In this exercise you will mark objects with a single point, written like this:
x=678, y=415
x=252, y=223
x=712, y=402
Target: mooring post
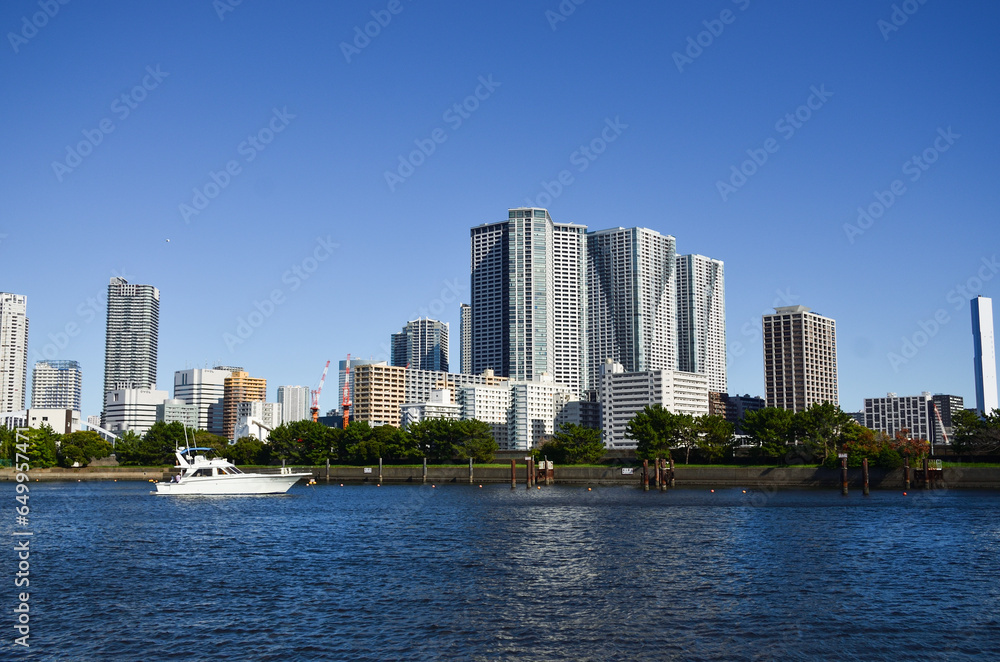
x=645, y=475
x=843, y=476
x=513, y=474
x=673, y=481
x=380, y=470
x=864, y=476
x=470, y=471
x=666, y=476
x=527, y=473
x=906, y=472
x=657, y=462
x=328, y=470
x=927, y=474
x=425, y=471
x=552, y=474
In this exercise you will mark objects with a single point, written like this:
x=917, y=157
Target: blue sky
x=329, y=121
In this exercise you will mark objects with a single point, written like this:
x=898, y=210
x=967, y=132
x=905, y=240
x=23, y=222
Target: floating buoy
x=480, y=486
x=433, y=485
x=713, y=491
x=904, y=493
x=588, y=489
x=744, y=491
x=538, y=487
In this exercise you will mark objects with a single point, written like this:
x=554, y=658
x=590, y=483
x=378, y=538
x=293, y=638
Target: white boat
x=202, y=475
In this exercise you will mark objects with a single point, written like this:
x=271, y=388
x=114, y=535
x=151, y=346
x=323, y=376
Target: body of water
x=461, y=572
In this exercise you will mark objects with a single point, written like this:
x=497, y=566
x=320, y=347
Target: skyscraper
x=465, y=339
x=701, y=318
x=422, y=344
x=294, y=401
x=56, y=385
x=13, y=351
x=530, y=301
x=631, y=301
x=800, y=358
x=569, y=310
x=490, y=273
x=984, y=352
x=130, y=345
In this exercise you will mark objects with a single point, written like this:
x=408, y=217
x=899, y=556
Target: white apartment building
x=624, y=394
x=440, y=405
x=132, y=409
x=204, y=388
x=131, y=336
x=62, y=421
x=13, y=351
x=701, y=319
x=295, y=402
x=488, y=404
x=984, y=354
x=534, y=407
x=465, y=338
x=894, y=413
x=56, y=385
x=256, y=419
x=178, y=411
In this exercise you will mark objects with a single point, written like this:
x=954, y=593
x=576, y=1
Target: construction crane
x=315, y=403
x=944, y=433
x=345, y=402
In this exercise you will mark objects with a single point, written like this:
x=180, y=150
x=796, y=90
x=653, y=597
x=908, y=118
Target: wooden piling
x=470, y=471
x=328, y=470
x=645, y=475
x=380, y=470
x=513, y=474
x=906, y=472
x=424, y=478
x=927, y=474
x=843, y=476
x=864, y=476
x=673, y=481
x=657, y=463
x=527, y=473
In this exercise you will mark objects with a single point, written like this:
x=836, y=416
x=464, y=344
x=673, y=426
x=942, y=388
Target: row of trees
x=816, y=434
x=302, y=442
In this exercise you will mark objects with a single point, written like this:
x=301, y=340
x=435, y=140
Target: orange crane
x=315, y=404
x=345, y=403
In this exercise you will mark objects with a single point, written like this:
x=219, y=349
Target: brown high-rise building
x=239, y=387
x=800, y=359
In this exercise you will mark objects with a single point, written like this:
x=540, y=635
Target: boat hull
x=238, y=484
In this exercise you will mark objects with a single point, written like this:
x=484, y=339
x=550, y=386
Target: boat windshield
x=231, y=470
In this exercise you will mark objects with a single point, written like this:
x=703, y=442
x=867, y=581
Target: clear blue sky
x=682, y=126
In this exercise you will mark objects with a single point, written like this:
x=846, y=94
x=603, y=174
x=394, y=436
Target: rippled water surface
x=461, y=572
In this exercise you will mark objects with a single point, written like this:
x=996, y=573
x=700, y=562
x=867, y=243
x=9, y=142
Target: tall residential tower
x=130, y=344
x=800, y=359
x=422, y=344
x=701, y=319
x=56, y=385
x=13, y=351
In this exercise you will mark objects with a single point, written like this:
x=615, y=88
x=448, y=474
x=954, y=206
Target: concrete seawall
x=750, y=477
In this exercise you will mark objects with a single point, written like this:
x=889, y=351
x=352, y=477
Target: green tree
x=656, y=431
x=155, y=448
x=819, y=427
x=573, y=444
x=975, y=434
x=715, y=437
x=81, y=447
x=303, y=442
x=476, y=441
x=771, y=430
x=42, y=447
x=247, y=451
